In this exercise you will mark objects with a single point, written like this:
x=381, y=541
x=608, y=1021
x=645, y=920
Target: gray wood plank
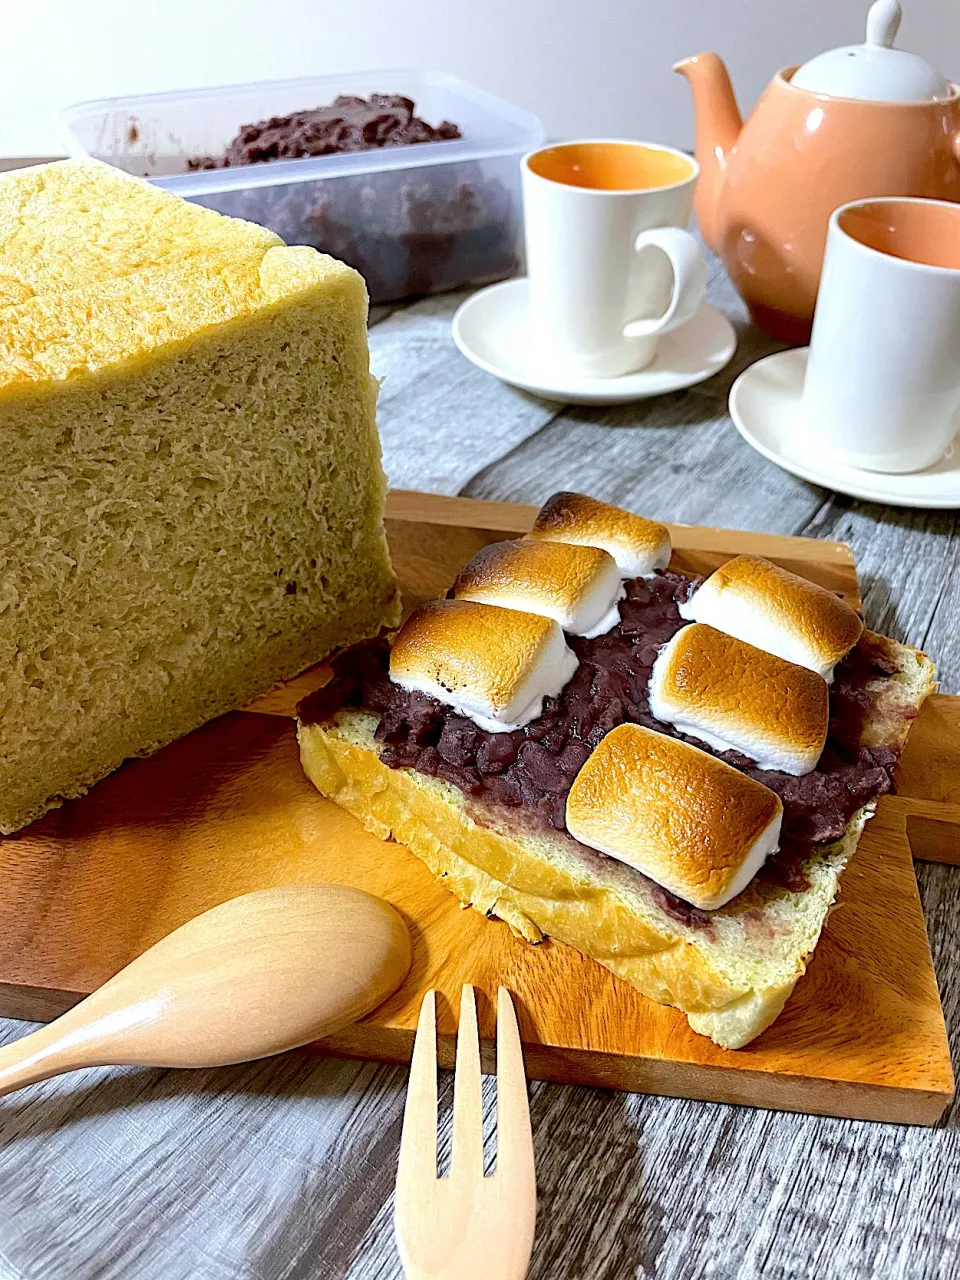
x=442, y=419
x=676, y=457
x=272, y=1169
x=908, y=565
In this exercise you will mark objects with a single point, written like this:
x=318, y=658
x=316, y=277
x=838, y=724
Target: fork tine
x=418, y=1141
x=514, y=1136
x=467, y=1156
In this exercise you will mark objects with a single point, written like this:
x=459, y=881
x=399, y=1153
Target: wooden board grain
x=228, y=810
x=928, y=782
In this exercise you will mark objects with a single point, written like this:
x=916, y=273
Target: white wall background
x=584, y=66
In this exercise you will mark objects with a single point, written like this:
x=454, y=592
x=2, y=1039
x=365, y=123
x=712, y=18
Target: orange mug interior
x=611, y=166
x=928, y=233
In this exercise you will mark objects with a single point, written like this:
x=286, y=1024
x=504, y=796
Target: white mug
x=882, y=386
x=609, y=267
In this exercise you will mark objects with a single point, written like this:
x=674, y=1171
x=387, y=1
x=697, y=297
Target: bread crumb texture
x=192, y=495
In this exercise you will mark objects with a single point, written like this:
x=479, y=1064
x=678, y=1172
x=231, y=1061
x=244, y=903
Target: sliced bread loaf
x=191, y=495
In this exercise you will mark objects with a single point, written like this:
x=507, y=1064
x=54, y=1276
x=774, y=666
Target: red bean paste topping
x=534, y=767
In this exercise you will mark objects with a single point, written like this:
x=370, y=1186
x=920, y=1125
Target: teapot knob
x=883, y=22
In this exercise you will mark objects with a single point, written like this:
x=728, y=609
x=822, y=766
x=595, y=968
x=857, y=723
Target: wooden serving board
x=228, y=810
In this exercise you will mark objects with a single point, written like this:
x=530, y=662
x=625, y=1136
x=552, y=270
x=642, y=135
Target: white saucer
x=765, y=407
x=491, y=329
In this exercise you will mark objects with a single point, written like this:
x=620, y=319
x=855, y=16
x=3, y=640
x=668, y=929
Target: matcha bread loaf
x=191, y=495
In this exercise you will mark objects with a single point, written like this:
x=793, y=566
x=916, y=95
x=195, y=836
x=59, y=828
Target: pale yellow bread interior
x=191, y=494
x=731, y=981
x=638, y=545
x=678, y=814
x=746, y=695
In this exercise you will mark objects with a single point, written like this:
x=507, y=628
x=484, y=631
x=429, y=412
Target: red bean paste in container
x=534, y=767
x=347, y=124
x=407, y=231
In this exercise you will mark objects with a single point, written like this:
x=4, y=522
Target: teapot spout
x=718, y=125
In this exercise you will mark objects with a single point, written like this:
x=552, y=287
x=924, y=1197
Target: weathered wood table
x=284, y=1169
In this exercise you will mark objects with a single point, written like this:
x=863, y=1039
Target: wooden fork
x=466, y=1227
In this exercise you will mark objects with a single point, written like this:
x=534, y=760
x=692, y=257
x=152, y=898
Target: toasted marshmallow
x=491, y=664
x=759, y=602
x=579, y=587
x=685, y=819
x=639, y=546
x=737, y=698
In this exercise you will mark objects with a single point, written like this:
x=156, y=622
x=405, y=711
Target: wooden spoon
x=259, y=974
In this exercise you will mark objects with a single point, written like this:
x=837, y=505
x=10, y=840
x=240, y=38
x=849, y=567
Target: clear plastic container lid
x=154, y=135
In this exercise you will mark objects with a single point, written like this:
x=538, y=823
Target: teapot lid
x=874, y=70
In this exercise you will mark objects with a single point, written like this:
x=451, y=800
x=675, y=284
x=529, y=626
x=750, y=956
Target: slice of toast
x=731, y=978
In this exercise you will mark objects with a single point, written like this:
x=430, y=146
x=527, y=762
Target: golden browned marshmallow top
x=773, y=609
x=736, y=697
x=639, y=546
x=577, y=586
x=693, y=824
x=491, y=664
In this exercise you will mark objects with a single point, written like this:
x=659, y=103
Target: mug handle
x=689, y=280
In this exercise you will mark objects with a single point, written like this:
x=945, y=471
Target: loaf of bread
x=191, y=495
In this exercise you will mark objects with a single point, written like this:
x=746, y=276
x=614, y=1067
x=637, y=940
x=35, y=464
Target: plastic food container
x=412, y=219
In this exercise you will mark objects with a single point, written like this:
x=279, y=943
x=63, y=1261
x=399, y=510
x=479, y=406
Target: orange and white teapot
x=865, y=120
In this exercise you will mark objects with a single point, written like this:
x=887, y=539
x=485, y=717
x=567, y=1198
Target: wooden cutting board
x=228, y=810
